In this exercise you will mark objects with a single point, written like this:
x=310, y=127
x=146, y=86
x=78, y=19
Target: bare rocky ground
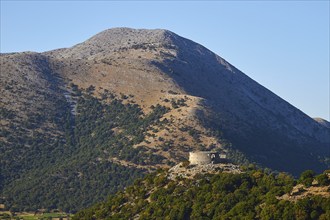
x=300, y=191
x=182, y=170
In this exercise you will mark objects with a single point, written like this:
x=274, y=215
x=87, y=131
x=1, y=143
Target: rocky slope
x=155, y=65
x=138, y=100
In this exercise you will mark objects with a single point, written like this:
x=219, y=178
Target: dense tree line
x=75, y=170
x=26, y=147
x=250, y=195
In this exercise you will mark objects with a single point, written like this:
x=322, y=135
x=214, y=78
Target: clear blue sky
x=282, y=45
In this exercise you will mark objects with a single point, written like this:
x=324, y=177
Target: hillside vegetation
x=253, y=194
x=84, y=172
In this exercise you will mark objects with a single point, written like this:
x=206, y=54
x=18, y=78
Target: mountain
x=82, y=122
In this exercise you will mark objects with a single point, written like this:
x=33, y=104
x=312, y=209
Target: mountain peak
x=125, y=35
x=115, y=39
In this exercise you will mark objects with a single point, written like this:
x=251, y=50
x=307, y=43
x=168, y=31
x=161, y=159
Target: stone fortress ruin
x=203, y=162
x=206, y=157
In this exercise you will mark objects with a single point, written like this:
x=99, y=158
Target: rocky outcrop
x=183, y=170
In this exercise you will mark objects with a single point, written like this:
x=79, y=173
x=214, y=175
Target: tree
x=307, y=177
x=323, y=179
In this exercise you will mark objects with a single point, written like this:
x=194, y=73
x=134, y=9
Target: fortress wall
x=199, y=158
